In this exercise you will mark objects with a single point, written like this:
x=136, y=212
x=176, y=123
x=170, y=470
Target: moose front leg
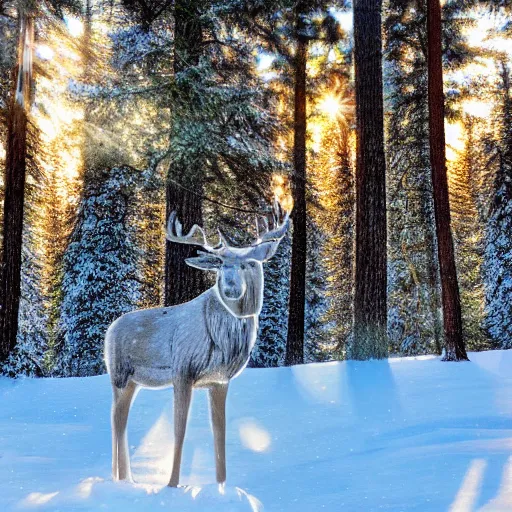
x=182, y=395
x=218, y=393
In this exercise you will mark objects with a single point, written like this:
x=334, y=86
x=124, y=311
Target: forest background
x=114, y=113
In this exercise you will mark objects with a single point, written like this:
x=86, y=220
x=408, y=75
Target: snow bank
x=404, y=434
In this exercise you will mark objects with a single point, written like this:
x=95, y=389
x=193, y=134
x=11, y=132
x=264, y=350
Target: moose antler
x=280, y=221
x=225, y=248
x=196, y=235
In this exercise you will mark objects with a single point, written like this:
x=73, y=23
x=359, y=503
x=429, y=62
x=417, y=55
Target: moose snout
x=233, y=290
x=233, y=286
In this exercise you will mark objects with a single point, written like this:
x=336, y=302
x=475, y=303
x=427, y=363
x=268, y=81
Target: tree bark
x=15, y=173
x=370, y=300
x=183, y=283
x=452, y=319
x=295, y=336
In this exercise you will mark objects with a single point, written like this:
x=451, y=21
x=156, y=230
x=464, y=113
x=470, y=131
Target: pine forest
x=385, y=128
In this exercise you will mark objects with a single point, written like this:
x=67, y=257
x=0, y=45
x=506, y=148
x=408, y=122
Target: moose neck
x=250, y=303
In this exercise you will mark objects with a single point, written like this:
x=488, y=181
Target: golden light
x=48, y=128
x=75, y=26
x=52, y=125
x=73, y=159
x=281, y=190
x=477, y=108
x=454, y=140
x=330, y=105
x=2, y=152
x=483, y=33
x=67, y=115
x=316, y=136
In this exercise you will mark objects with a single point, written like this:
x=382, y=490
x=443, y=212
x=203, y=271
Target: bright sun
x=330, y=105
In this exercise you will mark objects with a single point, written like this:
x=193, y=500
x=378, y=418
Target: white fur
x=203, y=343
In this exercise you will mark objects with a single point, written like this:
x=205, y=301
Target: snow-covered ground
x=404, y=434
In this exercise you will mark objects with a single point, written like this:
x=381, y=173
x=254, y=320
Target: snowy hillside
x=404, y=434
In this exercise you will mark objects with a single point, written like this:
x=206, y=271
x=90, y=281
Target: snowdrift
x=411, y=434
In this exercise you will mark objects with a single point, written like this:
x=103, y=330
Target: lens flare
x=330, y=105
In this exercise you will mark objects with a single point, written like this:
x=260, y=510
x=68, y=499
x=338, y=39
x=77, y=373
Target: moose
x=203, y=343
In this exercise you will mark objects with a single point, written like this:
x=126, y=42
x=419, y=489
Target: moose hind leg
x=182, y=396
x=123, y=398
x=218, y=393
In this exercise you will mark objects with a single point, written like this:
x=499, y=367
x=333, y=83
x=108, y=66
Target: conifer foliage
x=498, y=250
x=414, y=323
x=270, y=348
x=101, y=279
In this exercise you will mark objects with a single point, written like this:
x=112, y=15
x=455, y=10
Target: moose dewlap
x=202, y=343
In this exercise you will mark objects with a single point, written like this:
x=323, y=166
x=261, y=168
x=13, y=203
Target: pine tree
x=370, y=311
x=7, y=60
x=182, y=282
x=330, y=202
x=15, y=175
x=316, y=342
x=219, y=127
x=17, y=156
x=28, y=355
x=468, y=233
x=270, y=346
x=452, y=318
x=297, y=298
x=333, y=176
x=414, y=323
x=58, y=214
x=151, y=205
x=276, y=25
x=101, y=280
x=498, y=243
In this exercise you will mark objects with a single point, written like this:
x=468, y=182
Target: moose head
x=239, y=269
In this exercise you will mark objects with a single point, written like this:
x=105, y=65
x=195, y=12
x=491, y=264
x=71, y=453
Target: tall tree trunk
x=433, y=282
x=370, y=300
x=452, y=319
x=15, y=172
x=295, y=336
x=183, y=283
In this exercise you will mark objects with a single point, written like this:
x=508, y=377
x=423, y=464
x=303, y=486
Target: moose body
x=199, y=342
x=202, y=343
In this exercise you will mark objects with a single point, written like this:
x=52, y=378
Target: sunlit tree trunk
x=15, y=173
x=295, y=337
x=370, y=300
x=452, y=320
x=183, y=283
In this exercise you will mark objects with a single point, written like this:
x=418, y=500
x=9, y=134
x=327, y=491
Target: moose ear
x=204, y=262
